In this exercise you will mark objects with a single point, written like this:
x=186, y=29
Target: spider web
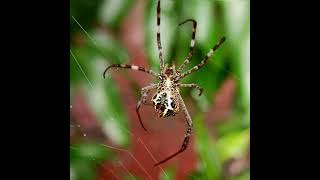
x=110, y=146
x=145, y=147
x=125, y=130
x=133, y=135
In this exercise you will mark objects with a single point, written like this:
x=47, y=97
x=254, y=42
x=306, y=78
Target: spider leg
x=144, y=92
x=193, y=86
x=158, y=36
x=203, y=62
x=193, y=41
x=187, y=135
x=133, y=67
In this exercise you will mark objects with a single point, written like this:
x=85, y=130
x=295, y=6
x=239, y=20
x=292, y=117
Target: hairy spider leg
x=205, y=60
x=187, y=135
x=144, y=92
x=158, y=36
x=192, y=85
x=192, y=43
x=133, y=67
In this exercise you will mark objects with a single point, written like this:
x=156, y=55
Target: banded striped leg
x=193, y=86
x=144, y=93
x=158, y=36
x=193, y=41
x=133, y=67
x=187, y=135
x=203, y=62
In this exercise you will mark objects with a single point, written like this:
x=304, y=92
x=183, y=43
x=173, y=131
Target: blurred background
x=106, y=139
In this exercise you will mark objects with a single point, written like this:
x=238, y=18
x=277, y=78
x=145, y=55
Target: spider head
x=169, y=71
x=165, y=104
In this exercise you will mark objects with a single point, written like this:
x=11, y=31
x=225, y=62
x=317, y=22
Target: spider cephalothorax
x=167, y=100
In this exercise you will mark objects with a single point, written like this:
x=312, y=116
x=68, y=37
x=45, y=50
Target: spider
x=167, y=100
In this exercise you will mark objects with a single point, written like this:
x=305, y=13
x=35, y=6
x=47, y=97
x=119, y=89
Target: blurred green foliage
x=84, y=158
x=169, y=174
x=215, y=19
x=210, y=161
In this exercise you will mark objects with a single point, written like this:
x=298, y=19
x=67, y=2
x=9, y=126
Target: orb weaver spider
x=167, y=100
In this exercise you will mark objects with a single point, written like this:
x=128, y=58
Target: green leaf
x=209, y=157
x=197, y=175
x=107, y=46
x=111, y=12
x=89, y=151
x=168, y=175
x=84, y=159
x=237, y=24
x=105, y=101
x=82, y=171
x=238, y=122
x=84, y=12
x=102, y=94
x=233, y=145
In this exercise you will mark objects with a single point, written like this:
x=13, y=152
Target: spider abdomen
x=165, y=100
